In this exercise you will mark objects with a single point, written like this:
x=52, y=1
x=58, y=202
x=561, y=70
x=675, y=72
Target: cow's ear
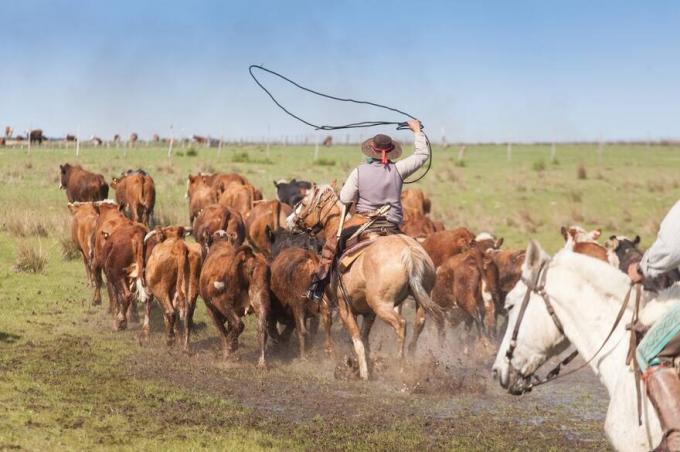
x=498, y=243
x=192, y=177
x=636, y=241
x=612, y=237
x=563, y=231
x=276, y=185
x=269, y=234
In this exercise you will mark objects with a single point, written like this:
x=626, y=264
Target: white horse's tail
x=416, y=261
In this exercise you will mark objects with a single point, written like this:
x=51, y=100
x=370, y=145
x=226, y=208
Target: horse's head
x=313, y=209
x=538, y=337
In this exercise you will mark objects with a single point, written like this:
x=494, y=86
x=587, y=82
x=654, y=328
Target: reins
x=354, y=125
x=537, y=285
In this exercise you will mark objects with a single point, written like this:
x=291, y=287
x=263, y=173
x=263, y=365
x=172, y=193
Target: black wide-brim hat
x=373, y=147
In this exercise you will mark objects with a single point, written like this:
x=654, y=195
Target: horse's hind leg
x=397, y=322
x=350, y=322
x=366, y=326
x=418, y=325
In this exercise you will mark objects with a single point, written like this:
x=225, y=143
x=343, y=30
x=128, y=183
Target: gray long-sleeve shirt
x=405, y=167
x=664, y=254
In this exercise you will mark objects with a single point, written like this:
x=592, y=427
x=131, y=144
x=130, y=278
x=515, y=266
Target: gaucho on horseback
x=657, y=353
x=373, y=186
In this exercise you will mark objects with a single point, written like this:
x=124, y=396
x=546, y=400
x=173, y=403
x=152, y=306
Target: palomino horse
x=585, y=295
x=391, y=269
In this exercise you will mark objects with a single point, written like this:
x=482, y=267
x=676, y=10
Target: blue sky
x=476, y=71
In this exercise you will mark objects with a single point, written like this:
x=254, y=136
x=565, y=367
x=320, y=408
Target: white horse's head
x=538, y=337
x=310, y=211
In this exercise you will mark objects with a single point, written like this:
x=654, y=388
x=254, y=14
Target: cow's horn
x=148, y=236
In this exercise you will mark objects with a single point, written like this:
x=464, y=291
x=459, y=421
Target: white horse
x=586, y=295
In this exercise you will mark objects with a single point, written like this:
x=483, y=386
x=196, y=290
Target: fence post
x=172, y=140
x=78, y=141
x=28, y=135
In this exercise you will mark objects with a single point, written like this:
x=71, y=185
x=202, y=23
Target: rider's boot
x=663, y=390
x=316, y=288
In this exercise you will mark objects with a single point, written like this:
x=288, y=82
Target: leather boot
x=316, y=288
x=663, y=390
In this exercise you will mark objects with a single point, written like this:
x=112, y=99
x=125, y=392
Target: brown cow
x=2, y=141
x=292, y=269
x=217, y=217
x=109, y=218
x=133, y=139
x=36, y=136
x=234, y=281
x=470, y=282
x=200, y=193
x=416, y=224
x=136, y=192
x=443, y=244
x=8, y=132
x=416, y=199
x=509, y=263
x=580, y=241
x=83, y=227
x=123, y=258
x=173, y=269
x=265, y=214
x=238, y=197
x=82, y=185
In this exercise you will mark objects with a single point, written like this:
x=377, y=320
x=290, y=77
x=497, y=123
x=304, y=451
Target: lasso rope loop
x=354, y=125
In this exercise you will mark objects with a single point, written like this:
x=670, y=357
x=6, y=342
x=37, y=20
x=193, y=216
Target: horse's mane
x=613, y=282
x=603, y=276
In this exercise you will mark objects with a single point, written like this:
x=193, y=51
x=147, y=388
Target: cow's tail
x=137, y=272
x=182, y=286
x=416, y=261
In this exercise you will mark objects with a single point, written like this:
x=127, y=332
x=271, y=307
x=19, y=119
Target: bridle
x=537, y=285
x=320, y=205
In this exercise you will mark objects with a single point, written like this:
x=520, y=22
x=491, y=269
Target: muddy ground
x=440, y=399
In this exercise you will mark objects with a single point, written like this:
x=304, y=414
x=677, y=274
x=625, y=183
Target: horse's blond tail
x=415, y=261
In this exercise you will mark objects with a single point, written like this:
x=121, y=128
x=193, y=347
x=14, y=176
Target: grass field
x=68, y=382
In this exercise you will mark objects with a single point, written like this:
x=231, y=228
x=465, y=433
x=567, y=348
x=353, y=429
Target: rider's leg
x=315, y=291
x=663, y=390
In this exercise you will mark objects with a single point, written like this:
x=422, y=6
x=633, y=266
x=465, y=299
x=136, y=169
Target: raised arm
x=413, y=162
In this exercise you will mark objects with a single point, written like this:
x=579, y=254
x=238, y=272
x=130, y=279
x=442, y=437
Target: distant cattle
x=82, y=185
x=156, y=138
x=2, y=141
x=234, y=281
x=328, y=141
x=8, y=132
x=96, y=141
x=36, y=136
x=136, y=192
x=70, y=138
x=133, y=139
x=123, y=258
x=172, y=272
x=291, y=192
x=83, y=225
x=199, y=139
x=443, y=244
x=116, y=138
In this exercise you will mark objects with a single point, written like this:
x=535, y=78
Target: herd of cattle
x=244, y=260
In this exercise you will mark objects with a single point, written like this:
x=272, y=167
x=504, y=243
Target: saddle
x=353, y=245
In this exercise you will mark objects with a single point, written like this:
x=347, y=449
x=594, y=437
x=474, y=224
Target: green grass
x=67, y=382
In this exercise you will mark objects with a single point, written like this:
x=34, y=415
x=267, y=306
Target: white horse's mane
x=613, y=282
